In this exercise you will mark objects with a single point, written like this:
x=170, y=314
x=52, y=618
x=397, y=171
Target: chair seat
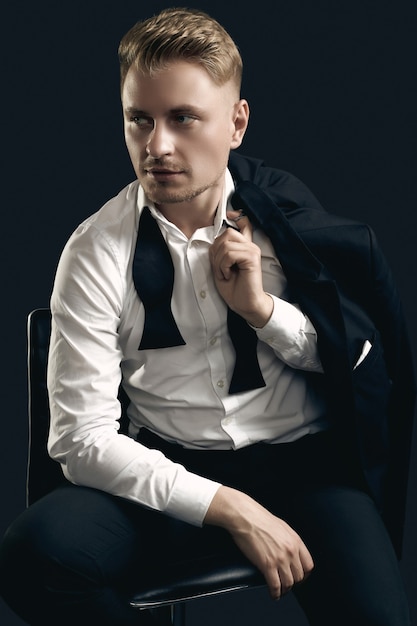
x=196, y=579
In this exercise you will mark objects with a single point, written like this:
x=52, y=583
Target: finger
x=227, y=265
x=242, y=222
x=297, y=571
x=287, y=579
x=273, y=582
x=219, y=265
x=306, y=561
x=226, y=257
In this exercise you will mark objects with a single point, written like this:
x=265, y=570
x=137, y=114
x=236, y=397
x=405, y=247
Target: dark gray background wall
x=333, y=97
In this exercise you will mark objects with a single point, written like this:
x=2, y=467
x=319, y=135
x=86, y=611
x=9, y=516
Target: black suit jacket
x=338, y=275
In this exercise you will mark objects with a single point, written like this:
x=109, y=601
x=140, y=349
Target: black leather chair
x=168, y=591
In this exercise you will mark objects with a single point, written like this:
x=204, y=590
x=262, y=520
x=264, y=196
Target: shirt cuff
x=191, y=497
x=291, y=335
x=285, y=322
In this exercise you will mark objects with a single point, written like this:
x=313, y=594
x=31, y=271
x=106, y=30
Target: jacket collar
x=297, y=261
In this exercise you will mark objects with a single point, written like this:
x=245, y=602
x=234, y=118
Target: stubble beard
x=162, y=193
x=159, y=193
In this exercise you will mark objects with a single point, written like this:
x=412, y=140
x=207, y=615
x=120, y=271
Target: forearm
x=84, y=435
x=115, y=463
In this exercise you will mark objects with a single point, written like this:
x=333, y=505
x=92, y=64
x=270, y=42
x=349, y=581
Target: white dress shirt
x=181, y=393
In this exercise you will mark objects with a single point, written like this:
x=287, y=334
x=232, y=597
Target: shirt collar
x=209, y=233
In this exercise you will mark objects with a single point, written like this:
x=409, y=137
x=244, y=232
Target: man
x=296, y=454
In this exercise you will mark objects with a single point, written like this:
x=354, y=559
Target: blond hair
x=181, y=34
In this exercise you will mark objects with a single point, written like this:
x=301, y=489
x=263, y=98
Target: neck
x=193, y=214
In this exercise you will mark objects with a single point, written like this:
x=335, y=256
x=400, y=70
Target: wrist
x=227, y=509
x=223, y=508
x=263, y=313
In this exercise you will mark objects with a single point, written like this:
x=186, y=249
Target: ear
x=240, y=122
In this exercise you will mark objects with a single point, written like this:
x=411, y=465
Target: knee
x=391, y=610
x=36, y=562
x=28, y=544
x=19, y=568
x=350, y=603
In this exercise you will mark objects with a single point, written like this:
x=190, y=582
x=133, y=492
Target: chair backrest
x=43, y=474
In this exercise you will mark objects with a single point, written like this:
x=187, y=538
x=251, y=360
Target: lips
x=162, y=171
x=162, y=174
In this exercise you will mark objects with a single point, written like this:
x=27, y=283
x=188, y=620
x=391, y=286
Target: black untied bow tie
x=153, y=277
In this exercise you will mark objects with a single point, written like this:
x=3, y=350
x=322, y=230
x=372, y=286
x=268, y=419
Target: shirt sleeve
x=83, y=382
x=292, y=336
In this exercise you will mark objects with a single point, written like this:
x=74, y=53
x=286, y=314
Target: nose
x=160, y=142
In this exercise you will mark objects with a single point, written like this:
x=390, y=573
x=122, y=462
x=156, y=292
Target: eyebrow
x=186, y=108
x=136, y=111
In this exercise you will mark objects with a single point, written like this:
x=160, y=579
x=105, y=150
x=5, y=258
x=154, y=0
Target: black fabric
x=153, y=276
x=246, y=373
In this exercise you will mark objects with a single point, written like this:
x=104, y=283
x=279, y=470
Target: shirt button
x=220, y=383
x=227, y=421
x=203, y=294
x=213, y=341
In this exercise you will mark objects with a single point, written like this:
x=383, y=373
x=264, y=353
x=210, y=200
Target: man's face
x=179, y=129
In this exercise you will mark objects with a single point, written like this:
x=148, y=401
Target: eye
x=142, y=121
x=184, y=120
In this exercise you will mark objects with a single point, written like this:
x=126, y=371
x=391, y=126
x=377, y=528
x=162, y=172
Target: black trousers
x=74, y=556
